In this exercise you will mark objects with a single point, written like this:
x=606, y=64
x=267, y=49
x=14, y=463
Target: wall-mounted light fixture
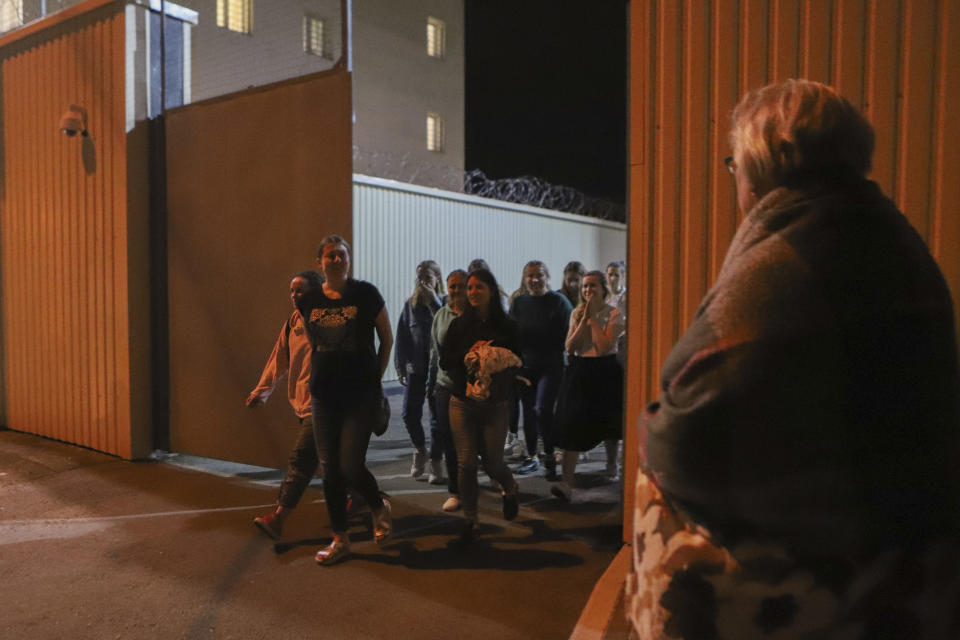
x=74, y=121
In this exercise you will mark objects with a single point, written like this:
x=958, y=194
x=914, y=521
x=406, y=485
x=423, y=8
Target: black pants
x=301, y=466
x=342, y=430
x=539, y=400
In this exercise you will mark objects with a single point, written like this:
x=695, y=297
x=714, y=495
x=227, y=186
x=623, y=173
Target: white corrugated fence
x=397, y=225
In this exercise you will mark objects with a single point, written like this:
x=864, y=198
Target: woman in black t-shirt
x=341, y=318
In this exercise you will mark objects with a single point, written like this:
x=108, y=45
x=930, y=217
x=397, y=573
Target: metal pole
x=163, y=56
x=346, y=34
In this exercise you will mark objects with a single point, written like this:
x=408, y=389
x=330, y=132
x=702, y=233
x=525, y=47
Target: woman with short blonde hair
x=798, y=131
x=801, y=459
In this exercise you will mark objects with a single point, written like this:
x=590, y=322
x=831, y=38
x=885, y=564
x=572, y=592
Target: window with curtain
x=434, y=132
x=436, y=38
x=11, y=14
x=315, y=40
x=235, y=15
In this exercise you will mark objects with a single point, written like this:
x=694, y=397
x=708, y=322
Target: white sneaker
x=436, y=473
x=419, y=463
x=613, y=471
x=511, y=441
x=337, y=551
x=452, y=504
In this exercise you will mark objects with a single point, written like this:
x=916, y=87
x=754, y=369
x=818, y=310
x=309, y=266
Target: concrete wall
x=396, y=226
x=254, y=181
x=73, y=235
x=691, y=61
x=397, y=83
x=225, y=61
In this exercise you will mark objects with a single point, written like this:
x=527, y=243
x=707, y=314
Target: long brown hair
x=572, y=296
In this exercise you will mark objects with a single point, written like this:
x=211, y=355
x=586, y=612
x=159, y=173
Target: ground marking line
x=134, y=516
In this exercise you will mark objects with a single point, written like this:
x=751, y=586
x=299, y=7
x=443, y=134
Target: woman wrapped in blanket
x=800, y=468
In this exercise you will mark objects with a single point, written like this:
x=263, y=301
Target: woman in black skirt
x=591, y=393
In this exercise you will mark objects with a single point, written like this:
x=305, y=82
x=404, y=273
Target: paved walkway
x=92, y=546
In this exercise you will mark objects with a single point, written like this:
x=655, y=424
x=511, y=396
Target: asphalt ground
x=92, y=546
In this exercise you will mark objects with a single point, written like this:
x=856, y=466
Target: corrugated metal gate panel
x=396, y=226
x=63, y=241
x=690, y=61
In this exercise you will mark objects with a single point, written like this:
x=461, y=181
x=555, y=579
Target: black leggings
x=342, y=432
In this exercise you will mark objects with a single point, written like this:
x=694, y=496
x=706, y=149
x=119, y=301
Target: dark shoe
x=271, y=524
x=529, y=465
x=470, y=533
x=563, y=491
x=337, y=551
x=550, y=464
x=511, y=504
x=383, y=524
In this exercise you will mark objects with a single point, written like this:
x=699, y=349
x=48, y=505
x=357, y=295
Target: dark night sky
x=546, y=91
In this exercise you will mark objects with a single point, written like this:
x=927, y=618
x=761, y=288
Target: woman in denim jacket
x=412, y=361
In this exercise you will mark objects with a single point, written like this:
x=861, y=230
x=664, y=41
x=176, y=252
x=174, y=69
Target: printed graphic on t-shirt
x=335, y=328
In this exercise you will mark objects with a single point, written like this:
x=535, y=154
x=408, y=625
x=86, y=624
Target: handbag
x=381, y=418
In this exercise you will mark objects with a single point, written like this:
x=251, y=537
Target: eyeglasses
x=731, y=165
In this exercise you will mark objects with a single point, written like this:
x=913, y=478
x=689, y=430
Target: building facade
x=408, y=67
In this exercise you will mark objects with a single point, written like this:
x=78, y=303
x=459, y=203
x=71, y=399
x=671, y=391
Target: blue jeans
x=539, y=401
x=479, y=428
x=413, y=396
x=441, y=397
x=342, y=432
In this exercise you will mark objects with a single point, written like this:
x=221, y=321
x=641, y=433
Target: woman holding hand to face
x=591, y=393
x=412, y=361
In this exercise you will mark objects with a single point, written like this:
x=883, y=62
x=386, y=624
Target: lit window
x=11, y=14
x=235, y=15
x=434, y=132
x=436, y=38
x=315, y=36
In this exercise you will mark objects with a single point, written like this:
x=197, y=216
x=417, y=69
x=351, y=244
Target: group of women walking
x=463, y=354
x=567, y=380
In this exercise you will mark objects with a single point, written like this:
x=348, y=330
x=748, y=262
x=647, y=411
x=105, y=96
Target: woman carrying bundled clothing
x=480, y=399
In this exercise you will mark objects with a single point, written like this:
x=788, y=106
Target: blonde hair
x=799, y=130
x=582, y=306
x=417, y=297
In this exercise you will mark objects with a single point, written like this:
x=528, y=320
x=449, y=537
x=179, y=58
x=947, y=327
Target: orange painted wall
x=255, y=180
x=72, y=229
x=690, y=61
